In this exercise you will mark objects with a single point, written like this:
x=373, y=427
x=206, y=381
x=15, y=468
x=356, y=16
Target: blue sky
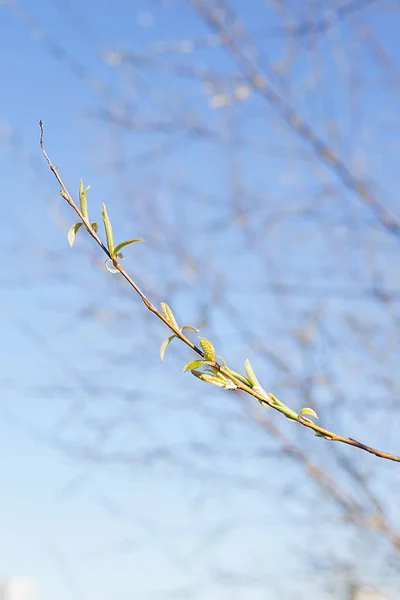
x=185, y=499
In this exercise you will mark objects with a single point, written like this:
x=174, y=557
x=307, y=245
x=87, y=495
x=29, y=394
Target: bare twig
x=265, y=399
x=250, y=70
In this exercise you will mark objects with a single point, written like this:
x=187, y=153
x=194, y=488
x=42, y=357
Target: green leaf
x=309, y=411
x=83, y=199
x=216, y=372
x=250, y=374
x=228, y=384
x=169, y=315
x=95, y=227
x=208, y=349
x=72, y=233
x=276, y=401
x=289, y=413
x=238, y=376
x=126, y=243
x=190, y=328
x=108, y=230
x=196, y=373
x=194, y=364
x=263, y=393
x=164, y=346
x=209, y=378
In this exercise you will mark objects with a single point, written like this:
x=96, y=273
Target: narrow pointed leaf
x=238, y=376
x=196, y=373
x=190, y=328
x=218, y=379
x=194, y=364
x=275, y=400
x=83, y=199
x=126, y=243
x=290, y=414
x=108, y=230
x=169, y=315
x=72, y=233
x=217, y=373
x=263, y=393
x=164, y=346
x=309, y=411
x=208, y=349
x=250, y=374
x=209, y=378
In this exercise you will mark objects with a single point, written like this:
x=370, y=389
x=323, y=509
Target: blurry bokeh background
x=255, y=147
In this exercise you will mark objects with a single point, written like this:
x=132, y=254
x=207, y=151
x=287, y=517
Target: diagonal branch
x=265, y=398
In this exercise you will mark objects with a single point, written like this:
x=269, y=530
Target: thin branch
x=323, y=24
x=353, y=509
x=262, y=86
x=266, y=399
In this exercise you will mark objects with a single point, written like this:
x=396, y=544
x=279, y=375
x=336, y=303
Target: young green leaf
x=72, y=233
x=126, y=243
x=108, y=230
x=263, y=393
x=228, y=384
x=169, y=315
x=309, y=411
x=95, y=227
x=215, y=372
x=83, y=200
x=194, y=364
x=250, y=374
x=239, y=376
x=209, y=378
x=208, y=349
x=292, y=417
x=190, y=328
x=196, y=373
x=164, y=346
x=285, y=410
x=275, y=400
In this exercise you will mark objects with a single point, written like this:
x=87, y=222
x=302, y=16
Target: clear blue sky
x=81, y=527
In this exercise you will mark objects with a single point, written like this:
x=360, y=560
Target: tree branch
x=237, y=380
